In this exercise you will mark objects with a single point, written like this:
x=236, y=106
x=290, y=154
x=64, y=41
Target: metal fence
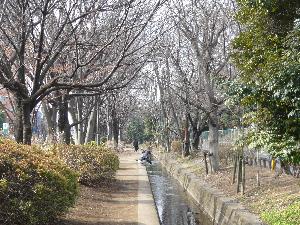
x=253, y=158
x=227, y=135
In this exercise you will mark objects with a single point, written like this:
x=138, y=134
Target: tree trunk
x=67, y=134
x=63, y=121
x=97, y=136
x=166, y=137
x=108, y=125
x=120, y=133
x=213, y=142
x=83, y=131
x=115, y=126
x=73, y=115
x=164, y=115
x=19, y=121
x=196, y=140
x=198, y=126
x=80, y=133
x=186, y=150
x=27, y=131
x=108, y=131
x=50, y=115
x=175, y=117
x=75, y=111
x=91, y=126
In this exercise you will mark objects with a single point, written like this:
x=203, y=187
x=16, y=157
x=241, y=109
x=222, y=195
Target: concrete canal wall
x=222, y=210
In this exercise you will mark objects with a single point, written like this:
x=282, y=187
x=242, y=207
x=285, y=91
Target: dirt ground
x=111, y=204
x=274, y=192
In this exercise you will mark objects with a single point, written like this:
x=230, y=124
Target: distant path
x=129, y=201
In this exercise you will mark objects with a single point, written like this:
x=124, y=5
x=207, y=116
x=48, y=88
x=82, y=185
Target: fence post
x=234, y=169
x=257, y=173
x=239, y=174
x=243, y=177
x=205, y=161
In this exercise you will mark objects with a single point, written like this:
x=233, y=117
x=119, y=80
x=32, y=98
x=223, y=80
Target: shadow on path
x=74, y=222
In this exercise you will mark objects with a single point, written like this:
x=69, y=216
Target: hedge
x=35, y=187
x=93, y=163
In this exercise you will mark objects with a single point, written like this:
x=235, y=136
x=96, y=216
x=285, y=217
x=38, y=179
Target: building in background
x=7, y=113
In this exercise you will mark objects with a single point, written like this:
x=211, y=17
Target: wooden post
x=243, y=177
x=234, y=168
x=210, y=163
x=239, y=173
x=273, y=164
x=205, y=161
x=264, y=163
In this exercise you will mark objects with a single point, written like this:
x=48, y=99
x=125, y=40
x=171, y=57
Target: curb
x=147, y=213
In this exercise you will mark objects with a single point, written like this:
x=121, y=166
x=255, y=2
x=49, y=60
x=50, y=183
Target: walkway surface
x=128, y=201
x=132, y=171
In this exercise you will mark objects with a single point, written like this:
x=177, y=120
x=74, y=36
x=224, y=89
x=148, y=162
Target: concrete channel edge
x=221, y=209
x=147, y=213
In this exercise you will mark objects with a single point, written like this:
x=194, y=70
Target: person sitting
x=146, y=156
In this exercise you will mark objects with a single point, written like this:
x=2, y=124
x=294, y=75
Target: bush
x=176, y=146
x=93, y=163
x=35, y=188
x=287, y=216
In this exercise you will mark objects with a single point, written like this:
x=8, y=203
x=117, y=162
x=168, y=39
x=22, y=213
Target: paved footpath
x=131, y=170
x=128, y=201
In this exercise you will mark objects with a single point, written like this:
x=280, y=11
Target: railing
x=226, y=137
x=262, y=159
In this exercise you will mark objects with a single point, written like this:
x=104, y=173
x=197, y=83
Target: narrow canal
x=174, y=205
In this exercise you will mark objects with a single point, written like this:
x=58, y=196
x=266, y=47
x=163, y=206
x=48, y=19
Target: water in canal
x=174, y=205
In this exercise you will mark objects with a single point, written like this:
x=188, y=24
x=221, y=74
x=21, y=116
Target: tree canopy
x=266, y=52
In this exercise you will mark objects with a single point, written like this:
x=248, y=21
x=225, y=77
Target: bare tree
x=53, y=45
x=206, y=29
x=194, y=54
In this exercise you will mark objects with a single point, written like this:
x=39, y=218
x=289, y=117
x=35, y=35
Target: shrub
x=93, y=163
x=92, y=143
x=35, y=188
x=176, y=146
x=287, y=216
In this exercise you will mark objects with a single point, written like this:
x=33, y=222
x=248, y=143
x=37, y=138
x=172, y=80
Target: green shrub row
x=35, y=187
x=287, y=216
x=93, y=163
